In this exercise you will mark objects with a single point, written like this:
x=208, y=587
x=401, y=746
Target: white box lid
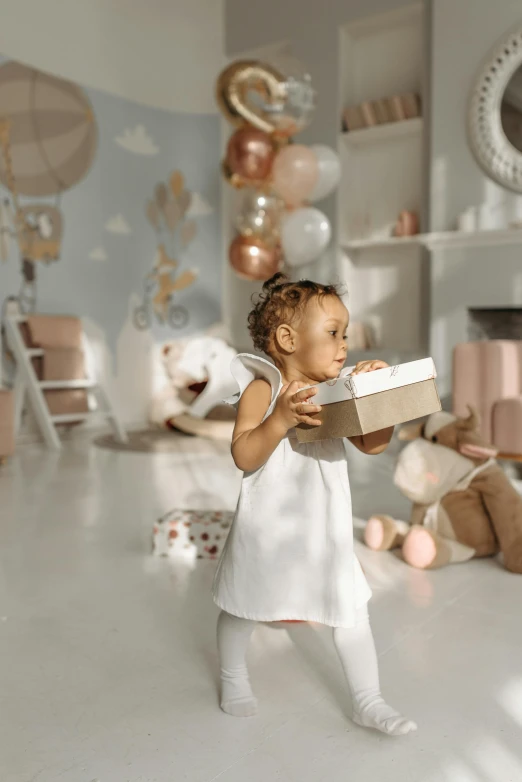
x=347, y=386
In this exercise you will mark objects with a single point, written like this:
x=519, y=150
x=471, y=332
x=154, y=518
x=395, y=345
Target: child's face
x=321, y=339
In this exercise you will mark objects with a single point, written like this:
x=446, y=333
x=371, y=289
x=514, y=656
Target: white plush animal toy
x=199, y=377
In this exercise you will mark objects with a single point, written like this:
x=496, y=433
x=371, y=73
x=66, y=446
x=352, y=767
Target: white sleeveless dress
x=289, y=553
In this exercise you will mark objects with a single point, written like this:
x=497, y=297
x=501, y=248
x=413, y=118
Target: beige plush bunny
x=464, y=506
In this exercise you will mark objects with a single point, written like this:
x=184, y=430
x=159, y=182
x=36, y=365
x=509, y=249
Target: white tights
x=356, y=649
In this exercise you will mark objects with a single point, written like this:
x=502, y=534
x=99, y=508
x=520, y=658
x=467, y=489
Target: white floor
x=108, y=665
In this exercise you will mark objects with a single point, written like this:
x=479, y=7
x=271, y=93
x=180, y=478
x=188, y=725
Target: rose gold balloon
x=252, y=259
x=250, y=154
x=295, y=173
x=233, y=179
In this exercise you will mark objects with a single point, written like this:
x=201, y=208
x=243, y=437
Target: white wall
x=460, y=34
x=256, y=24
x=312, y=29
x=163, y=53
x=464, y=32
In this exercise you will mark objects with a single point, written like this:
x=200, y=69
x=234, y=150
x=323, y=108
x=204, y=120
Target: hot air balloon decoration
x=48, y=139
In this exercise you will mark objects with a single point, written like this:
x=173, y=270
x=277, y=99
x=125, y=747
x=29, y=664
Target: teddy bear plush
x=197, y=379
x=464, y=505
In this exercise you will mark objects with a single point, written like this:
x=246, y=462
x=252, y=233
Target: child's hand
x=292, y=406
x=369, y=366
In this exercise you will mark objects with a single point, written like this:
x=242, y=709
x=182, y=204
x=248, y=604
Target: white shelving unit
x=441, y=240
x=493, y=238
x=381, y=133
x=382, y=175
x=391, y=242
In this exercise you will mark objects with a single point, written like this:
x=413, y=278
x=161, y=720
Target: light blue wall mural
x=134, y=230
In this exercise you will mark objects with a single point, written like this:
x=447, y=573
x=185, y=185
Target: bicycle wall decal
x=168, y=212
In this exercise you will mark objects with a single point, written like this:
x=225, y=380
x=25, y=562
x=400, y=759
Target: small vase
x=407, y=224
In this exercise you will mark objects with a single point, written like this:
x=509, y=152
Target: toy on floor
x=464, y=506
x=198, y=378
x=196, y=534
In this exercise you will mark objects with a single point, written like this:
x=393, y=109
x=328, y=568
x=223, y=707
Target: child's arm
x=376, y=442
x=373, y=443
x=255, y=440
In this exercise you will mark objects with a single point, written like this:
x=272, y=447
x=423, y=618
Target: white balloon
x=329, y=166
x=305, y=234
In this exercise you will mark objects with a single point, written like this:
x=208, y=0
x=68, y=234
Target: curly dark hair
x=282, y=301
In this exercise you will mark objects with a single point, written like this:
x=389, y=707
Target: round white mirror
x=511, y=110
x=495, y=113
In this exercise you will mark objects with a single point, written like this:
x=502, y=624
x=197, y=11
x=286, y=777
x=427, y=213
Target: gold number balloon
x=253, y=93
x=233, y=89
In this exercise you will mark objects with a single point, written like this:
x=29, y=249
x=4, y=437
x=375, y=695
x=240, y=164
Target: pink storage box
x=488, y=376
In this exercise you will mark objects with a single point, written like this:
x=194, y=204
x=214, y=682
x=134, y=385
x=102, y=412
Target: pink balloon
x=295, y=173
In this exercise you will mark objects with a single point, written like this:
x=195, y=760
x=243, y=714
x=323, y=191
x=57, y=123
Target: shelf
x=506, y=236
x=441, y=240
x=384, y=243
x=382, y=133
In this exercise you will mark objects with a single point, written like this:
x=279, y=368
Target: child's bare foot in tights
x=375, y=713
x=236, y=696
x=233, y=637
x=356, y=650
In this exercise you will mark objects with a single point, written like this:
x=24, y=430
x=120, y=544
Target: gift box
x=196, y=534
x=360, y=404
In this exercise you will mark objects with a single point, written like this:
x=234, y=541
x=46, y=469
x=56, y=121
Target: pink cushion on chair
x=7, y=440
x=483, y=374
x=467, y=373
x=507, y=425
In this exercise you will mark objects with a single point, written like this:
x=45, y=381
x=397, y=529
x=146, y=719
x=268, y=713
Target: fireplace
x=494, y=323
x=465, y=282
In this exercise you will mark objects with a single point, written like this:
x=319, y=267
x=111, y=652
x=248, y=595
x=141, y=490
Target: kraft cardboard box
x=360, y=404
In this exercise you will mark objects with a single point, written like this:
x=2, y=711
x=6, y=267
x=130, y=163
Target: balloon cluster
x=275, y=222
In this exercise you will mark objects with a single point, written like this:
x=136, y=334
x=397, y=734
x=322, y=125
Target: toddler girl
x=289, y=554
